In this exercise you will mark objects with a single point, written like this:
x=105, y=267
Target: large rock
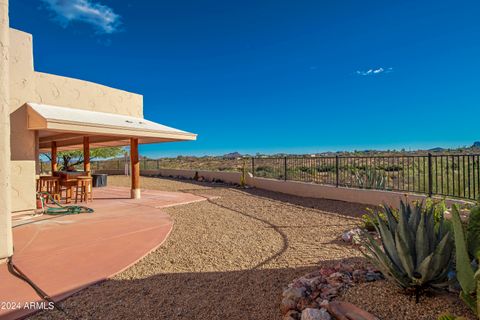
x=294, y=293
x=347, y=311
x=287, y=304
x=315, y=314
x=292, y=315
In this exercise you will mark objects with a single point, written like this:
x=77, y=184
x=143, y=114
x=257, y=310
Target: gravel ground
x=226, y=258
x=388, y=302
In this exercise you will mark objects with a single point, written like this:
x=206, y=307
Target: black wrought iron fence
x=445, y=175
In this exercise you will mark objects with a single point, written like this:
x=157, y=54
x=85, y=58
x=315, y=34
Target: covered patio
x=60, y=128
x=64, y=254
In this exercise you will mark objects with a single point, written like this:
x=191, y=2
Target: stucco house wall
x=27, y=85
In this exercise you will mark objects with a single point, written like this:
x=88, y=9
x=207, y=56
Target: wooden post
x=135, y=194
x=54, y=157
x=86, y=155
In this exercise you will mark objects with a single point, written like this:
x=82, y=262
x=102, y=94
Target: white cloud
x=100, y=16
x=374, y=71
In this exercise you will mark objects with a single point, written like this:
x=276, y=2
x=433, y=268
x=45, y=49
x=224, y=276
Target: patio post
x=54, y=157
x=6, y=243
x=86, y=155
x=135, y=193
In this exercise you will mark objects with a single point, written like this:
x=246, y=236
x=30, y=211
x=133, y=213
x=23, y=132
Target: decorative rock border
x=309, y=297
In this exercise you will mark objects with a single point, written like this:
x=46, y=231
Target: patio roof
x=68, y=126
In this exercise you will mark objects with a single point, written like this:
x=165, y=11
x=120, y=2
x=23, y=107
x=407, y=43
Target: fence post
x=336, y=170
x=285, y=167
x=253, y=166
x=430, y=176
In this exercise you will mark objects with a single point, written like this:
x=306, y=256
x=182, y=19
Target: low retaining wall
x=224, y=176
x=227, y=177
x=364, y=196
x=302, y=189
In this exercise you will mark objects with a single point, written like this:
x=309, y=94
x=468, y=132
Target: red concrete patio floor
x=64, y=254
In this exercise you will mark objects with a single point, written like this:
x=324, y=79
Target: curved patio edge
x=66, y=254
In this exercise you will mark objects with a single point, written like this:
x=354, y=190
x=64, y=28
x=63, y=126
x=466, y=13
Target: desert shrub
x=326, y=168
x=370, y=179
x=391, y=167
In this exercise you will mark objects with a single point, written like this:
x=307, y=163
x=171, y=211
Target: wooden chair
x=84, y=189
x=51, y=185
x=67, y=185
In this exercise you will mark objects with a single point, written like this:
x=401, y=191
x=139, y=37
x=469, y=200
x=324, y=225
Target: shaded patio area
x=63, y=254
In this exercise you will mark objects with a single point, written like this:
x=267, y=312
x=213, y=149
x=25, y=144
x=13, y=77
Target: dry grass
x=228, y=258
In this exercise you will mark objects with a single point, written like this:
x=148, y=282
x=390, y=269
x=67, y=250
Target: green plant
x=467, y=245
x=243, y=176
x=370, y=179
x=67, y=159
x=439, y=208
x=369, y=221
x=415, y=251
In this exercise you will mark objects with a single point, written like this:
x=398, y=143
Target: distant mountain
x=232, y=155
x=476, y=144
x=437, y=149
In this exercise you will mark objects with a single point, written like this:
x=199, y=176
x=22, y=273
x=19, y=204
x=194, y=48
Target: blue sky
x=275, y=76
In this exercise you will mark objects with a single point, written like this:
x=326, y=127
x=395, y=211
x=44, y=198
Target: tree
x=66, y=159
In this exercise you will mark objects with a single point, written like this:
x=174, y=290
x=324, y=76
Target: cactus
x=468, y=254
x=243, y=176
x=415, y=251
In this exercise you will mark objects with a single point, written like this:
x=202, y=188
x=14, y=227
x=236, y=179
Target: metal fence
x=445, y=175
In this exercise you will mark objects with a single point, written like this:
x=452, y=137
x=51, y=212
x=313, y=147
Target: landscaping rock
x=314, y=290
x=373, y=276
x=294, y=293
x=315, y=314
x=292, y=315
x=287, y=304
x=359, y=275
x=346, y=311
x=324, y=315
x=352, y=236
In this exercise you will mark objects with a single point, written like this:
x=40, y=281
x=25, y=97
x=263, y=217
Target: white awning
x=68, y=125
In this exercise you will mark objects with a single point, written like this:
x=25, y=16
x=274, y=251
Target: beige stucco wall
x=79, y=94
x=6, y=244
x=22, y=140
x=27, y=85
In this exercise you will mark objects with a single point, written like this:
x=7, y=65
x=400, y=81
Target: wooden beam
x=135, y=193
x=54, y=156
x=59, y=137
x=86, y=155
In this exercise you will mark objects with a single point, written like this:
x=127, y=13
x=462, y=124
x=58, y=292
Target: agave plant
x=415, y=251
x=468, y=257
x=370, y=179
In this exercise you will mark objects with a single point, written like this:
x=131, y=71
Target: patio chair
x=50, y=185
x=84, y=188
